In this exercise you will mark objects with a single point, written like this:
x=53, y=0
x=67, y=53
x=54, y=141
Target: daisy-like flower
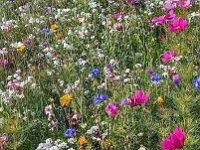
x=66, y=99
x=178, y=25
x=177, y=139
x=54, y=26
x=82, y=140
x=21, y=47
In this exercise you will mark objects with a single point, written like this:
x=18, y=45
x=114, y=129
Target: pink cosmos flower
x=117, y=26
x=167, y=56
x=112, y=109
x=170, y=16
x=139, y=98
x=14, y=86
x=177, y=139
x=178, y=25
x=159, y=20
x=184, y=3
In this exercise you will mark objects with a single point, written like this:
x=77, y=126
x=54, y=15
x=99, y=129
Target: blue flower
x=156, y=79
x=45, y=30
x=99, y=98
x=95, y=72
x=197, y=83
x=70, y=132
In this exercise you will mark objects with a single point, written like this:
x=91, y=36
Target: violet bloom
x=117, y=16
x=184, y=3
x=170, y=4
x=176, y=79
x=4, y=62
x=170, y=16
x=112, y=109
x=139, y=98
x=159, y=20
x=125, y=102
x=26, y=42
x=151, y=73
x=177, y=139
x=178, y=25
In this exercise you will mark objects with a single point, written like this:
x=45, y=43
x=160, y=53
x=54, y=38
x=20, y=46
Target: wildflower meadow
x=100, y=74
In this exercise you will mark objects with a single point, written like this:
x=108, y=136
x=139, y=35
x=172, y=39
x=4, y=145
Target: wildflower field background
x=99, y=74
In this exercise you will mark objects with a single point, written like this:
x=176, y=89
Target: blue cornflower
x=99, y=98
x=156, y=79
x=45, y=30
x=70, y=132
x=95, y=72
x=197, y=83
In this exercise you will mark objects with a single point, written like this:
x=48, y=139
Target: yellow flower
x=160, y=101
x=21, y=48
x=54, y=26
x=82, y=140
x=65, y=99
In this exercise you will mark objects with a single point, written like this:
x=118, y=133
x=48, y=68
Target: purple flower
x=125, y=102
x=136, y=3
x=151, y=73
x=176, y=79
x=26, y=42
x=117, y=16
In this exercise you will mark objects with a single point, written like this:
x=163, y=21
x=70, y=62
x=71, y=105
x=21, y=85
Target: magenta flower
x=139, y=98
x=170, y=16
x=167, y=56
x=159, y=20
x=178, y=25
x=177, y=139
x=112, y=109
x=3, y=62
